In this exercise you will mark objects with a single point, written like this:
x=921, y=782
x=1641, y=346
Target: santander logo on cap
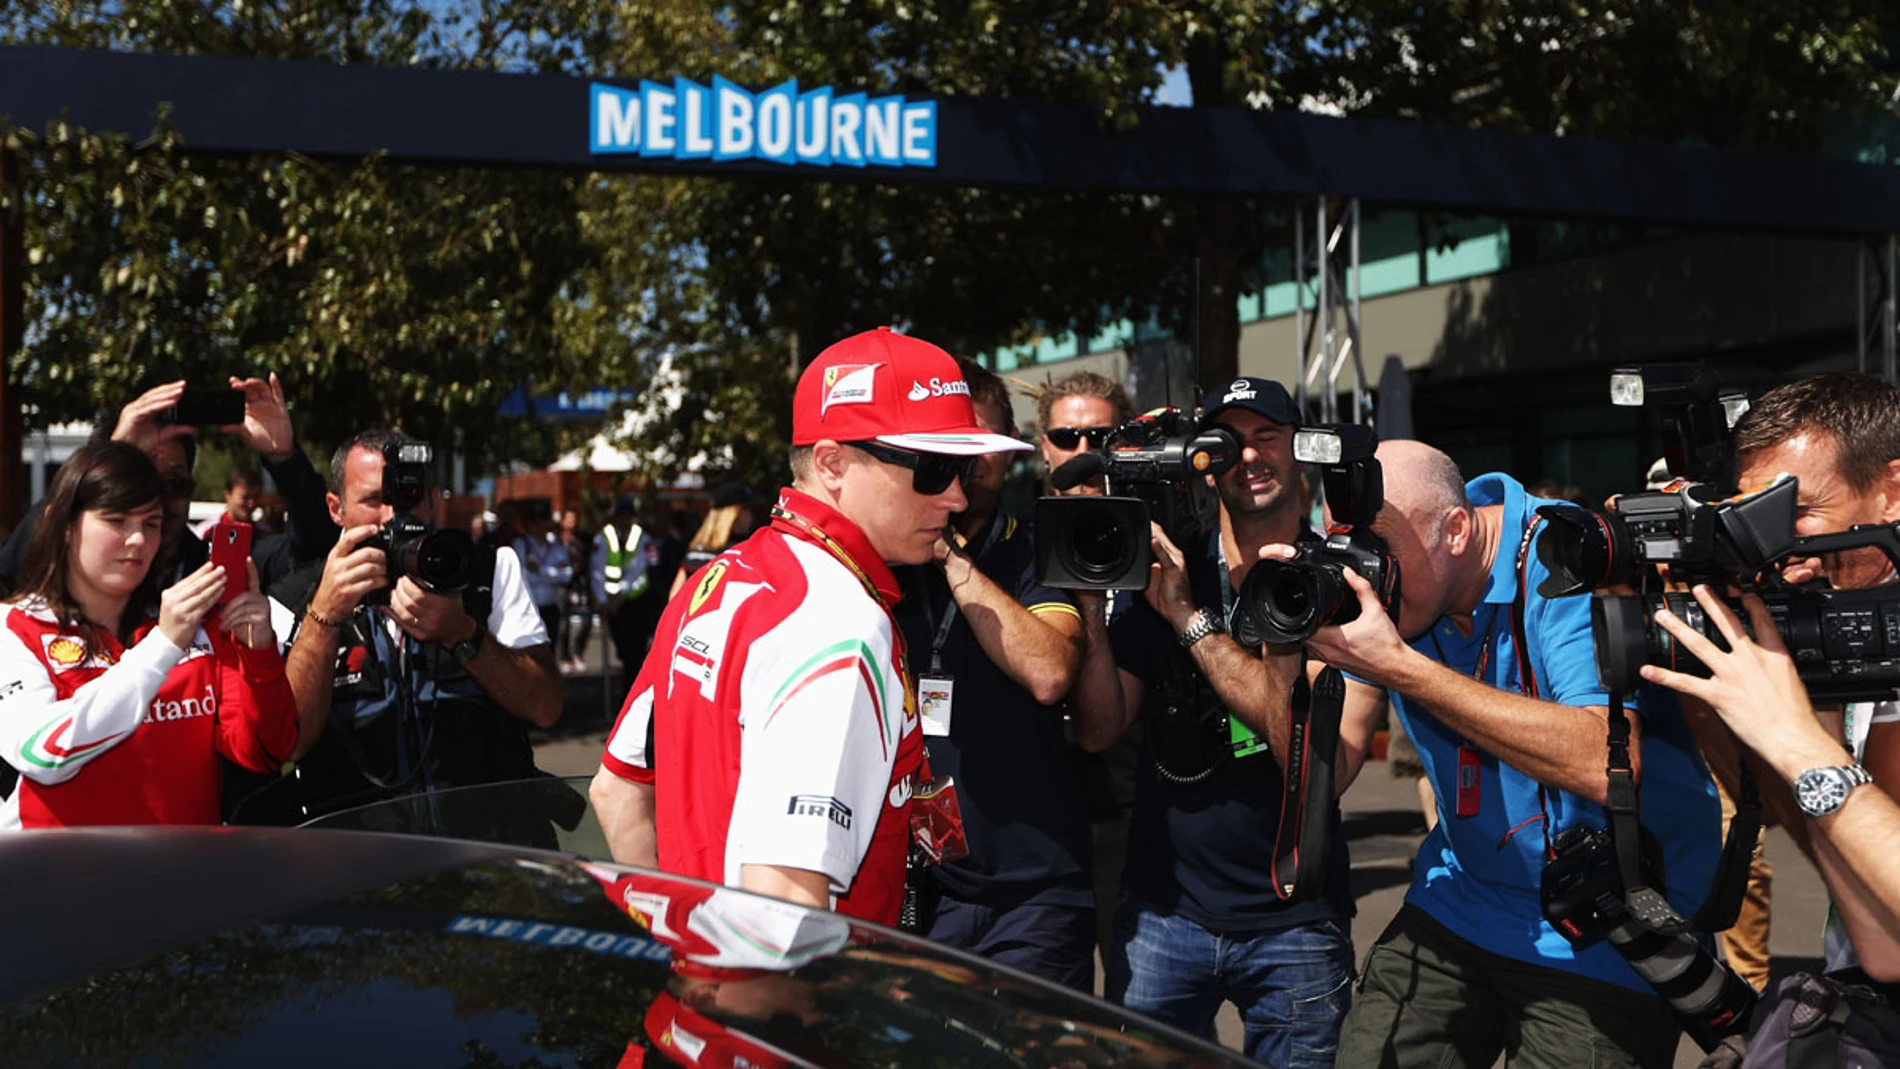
x=938, y=388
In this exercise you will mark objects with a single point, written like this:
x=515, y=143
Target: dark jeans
x=1291, y=985
x=1429, y=999
x=1054, y=942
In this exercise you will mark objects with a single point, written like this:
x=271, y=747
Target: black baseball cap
x=1263, y=397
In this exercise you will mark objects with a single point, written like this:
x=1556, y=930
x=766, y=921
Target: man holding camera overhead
x=1202, y=920
x=423, y=683
x=1497, y=685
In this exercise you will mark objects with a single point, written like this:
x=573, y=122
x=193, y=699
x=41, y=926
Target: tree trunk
x=1226, y=234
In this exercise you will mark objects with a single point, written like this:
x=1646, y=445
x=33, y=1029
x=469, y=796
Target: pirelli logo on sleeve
x=820, y=805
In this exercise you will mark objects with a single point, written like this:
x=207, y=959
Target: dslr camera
x=1845, y=643
x=1286, y=601
x=1154, y=467
x=442, y=561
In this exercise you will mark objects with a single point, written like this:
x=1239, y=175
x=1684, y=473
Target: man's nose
x=1082, y=444
x=953, y=495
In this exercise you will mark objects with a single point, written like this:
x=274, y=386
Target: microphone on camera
x=1077, y=470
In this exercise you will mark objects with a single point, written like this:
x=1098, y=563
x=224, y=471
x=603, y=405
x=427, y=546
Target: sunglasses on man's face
x=1067, y=438
x=930, y=473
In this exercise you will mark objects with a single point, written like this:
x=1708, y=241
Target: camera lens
x=444, y=560
x=1099, y=546
x=1583, y=550
x=1286, y=601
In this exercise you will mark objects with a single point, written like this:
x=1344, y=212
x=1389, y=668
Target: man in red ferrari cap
x=771, y=739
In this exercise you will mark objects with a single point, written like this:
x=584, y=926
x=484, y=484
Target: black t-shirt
x=1205, y=850
x=1022, y=810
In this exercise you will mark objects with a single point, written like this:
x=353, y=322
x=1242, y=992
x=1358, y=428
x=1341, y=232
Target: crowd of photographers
x=1237, y=661
x=892, y=698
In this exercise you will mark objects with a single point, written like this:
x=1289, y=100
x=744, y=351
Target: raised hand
x=247, y=616
x=266, y=427
x=184, y=604
x=139, y=423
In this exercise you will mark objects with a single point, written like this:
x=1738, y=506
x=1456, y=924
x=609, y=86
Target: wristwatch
x=1820, y=791
x=466, y=650
x=1202, y=624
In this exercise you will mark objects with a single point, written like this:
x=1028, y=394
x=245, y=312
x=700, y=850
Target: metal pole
x=1328, y=406
x=1299, y=306
x=1860, y=307
x=1887, y=312
x=1358, y=371
x=12, y=338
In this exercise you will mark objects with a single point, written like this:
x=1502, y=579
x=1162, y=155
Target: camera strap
x=1730, y=885
x=1299, y=861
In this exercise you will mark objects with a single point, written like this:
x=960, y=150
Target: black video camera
x=1845, y=643
x=1286, y=601
x=442, y=561
x=1154, y=467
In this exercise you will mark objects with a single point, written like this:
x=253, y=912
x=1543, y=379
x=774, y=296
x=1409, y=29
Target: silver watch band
x=1202, y=625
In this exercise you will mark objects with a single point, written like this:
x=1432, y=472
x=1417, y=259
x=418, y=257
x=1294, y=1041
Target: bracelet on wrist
x=326, y=621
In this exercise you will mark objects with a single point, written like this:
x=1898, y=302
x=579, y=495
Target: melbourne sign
x=684, y=120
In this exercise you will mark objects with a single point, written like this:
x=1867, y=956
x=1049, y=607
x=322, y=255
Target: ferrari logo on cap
x=849, y=384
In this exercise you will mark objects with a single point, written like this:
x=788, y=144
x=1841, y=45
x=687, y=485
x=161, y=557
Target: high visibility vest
x=618, y=557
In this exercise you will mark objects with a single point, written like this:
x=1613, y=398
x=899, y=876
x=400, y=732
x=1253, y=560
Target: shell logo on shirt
x=66, y=653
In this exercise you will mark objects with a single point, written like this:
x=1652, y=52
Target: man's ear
x=336, y=508
x=1890, y=493
x=829, y=460
x=1457, y=530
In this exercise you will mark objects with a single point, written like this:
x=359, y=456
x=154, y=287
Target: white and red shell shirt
x=774, y=716
x=105, y=735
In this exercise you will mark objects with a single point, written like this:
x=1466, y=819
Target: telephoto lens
x=1710, y=1000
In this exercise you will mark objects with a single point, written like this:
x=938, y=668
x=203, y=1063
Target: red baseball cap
x=884, y=386
x=692, y=1039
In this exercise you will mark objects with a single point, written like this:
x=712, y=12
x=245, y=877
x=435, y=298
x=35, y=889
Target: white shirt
x=512, y=618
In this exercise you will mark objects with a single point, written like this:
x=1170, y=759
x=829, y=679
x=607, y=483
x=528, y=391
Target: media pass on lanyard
x=1469, y=770
x=935, y=693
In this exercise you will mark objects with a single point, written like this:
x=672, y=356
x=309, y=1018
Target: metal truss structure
x=1329, y=341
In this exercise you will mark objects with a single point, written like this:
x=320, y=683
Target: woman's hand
x=183, y=605
x=247, y=616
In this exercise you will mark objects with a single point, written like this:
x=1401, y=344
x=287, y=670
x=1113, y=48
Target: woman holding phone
x=116, y=701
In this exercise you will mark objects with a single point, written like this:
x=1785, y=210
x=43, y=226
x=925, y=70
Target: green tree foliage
x=419, y=295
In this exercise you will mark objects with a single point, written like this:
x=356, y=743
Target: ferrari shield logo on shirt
x=707, y=584
x=66, y=653
x=849, y=384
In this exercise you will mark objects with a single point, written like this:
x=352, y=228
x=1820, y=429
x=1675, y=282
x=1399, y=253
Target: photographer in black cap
x=1203, y=921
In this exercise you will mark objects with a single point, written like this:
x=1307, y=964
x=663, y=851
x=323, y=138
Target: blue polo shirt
x=1479, y=876
x=1023, y=815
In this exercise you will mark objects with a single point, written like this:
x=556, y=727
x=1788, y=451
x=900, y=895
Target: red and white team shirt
x=774, y=718
x=102, y=734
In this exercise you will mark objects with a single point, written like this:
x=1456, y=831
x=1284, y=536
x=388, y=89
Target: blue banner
x=593, y=404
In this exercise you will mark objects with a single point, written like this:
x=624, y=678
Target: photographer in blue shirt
x=1514, y=740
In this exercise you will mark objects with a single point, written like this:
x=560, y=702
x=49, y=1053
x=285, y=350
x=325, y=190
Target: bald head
x=1421, y=483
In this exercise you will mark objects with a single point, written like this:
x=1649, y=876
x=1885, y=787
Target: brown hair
x=111, y=476
x=1861, y=413
x=988, y=389
x=1085, y=384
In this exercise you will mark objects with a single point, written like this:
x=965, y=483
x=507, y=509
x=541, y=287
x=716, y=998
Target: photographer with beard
x=1202, y=921
x=994, y=652
x=1497, y=685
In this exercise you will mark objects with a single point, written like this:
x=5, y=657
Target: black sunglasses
x=1070, y=437
x=930, y=473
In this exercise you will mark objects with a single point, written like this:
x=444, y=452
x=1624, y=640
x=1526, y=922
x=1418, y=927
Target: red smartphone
x=231, y=549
